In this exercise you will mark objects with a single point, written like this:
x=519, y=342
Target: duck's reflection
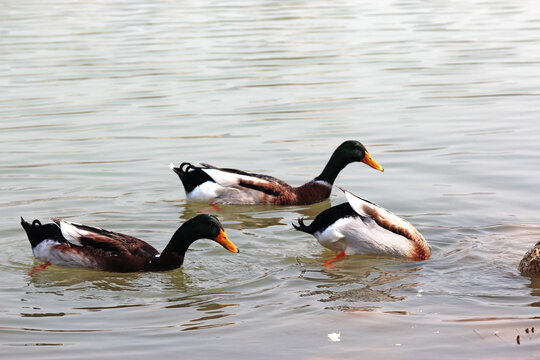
x=240, y=217
x=360, y=281
x=535, y=290
x=157, y=287
x=65, y=278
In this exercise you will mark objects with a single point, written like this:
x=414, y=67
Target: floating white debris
x=334, y=336
x=419, y=293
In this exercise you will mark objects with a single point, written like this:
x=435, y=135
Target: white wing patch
x=71, y=232
x=225, y=178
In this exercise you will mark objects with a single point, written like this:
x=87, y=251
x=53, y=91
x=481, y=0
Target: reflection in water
x=113, y=307
x=240, y=217
x=75, y=279
x=213, y=311
x=87, y=284
x=234, y=217
x=535, y=290
x=362, y=279
x=44, y=314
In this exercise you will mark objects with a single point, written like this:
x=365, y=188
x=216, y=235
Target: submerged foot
x=213, y=207
x=330, y=266
x=38, y=268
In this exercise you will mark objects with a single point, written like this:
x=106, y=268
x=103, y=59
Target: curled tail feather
x=190, y=175
x=301, y=226
x=183, y=168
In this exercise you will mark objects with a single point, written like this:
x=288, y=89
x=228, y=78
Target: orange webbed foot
x=330, y=266
x=38, y=268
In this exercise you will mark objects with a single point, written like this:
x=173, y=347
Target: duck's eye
x=214, y=229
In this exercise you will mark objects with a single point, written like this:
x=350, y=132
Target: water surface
x=96, y=98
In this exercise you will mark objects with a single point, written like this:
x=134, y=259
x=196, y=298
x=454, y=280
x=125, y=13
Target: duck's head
x=346, y=153
x=208, y=227
x=202, y=226
x=352, y=150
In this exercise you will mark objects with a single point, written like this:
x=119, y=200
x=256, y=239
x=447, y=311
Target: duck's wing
x=237, y=178
x=112, y=243
x=242, y=174
x=383, y=217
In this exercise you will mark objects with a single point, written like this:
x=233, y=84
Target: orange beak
x=369, y=161
x=224, y=241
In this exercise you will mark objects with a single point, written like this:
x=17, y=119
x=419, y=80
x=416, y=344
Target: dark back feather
x=115, y=243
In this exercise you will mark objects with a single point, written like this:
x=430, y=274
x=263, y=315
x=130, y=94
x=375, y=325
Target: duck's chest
x=313, y=192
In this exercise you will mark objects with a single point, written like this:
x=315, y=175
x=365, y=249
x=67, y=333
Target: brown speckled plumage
x=530, y=264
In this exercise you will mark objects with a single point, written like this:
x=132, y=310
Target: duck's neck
x=332, y=169
x=164, y=262
x=181, y=240
x=172, y=256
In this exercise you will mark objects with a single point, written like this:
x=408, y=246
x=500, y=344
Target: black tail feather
x=301, y=226
x=25, y=224
x=38, y=232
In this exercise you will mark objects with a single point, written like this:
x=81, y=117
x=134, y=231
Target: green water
x=97, y=98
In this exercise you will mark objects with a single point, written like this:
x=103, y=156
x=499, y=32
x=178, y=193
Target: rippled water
x=96, y=98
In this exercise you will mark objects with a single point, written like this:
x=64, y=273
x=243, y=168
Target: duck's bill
x=224, y=241
x=368, y=160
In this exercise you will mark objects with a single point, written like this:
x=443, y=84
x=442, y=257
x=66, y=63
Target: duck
x=69, y=244
x=232, y=186
x=362, y=227
x=530, y=264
